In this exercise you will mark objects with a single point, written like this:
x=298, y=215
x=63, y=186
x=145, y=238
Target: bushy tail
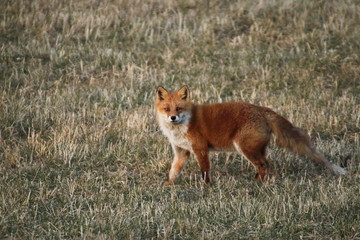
x=298, y=141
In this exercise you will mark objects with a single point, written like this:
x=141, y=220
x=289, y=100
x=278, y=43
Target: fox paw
x=168, y=183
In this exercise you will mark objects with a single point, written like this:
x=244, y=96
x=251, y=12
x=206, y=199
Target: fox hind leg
x=255, y=152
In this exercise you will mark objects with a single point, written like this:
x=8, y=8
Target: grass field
x=81, y=156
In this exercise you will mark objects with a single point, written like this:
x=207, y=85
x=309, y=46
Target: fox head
x=173, y=107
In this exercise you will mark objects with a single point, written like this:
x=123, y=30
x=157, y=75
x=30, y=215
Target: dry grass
x=81, y=155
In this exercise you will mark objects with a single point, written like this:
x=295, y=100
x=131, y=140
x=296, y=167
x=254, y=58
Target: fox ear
x=161, y=93
x=184, y=93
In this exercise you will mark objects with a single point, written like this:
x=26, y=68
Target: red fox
x=239, y=126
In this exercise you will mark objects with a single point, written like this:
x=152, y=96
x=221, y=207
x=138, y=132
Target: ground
x=81, y=155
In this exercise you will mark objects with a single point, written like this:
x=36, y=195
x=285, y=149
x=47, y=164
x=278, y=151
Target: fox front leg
x=180, y=158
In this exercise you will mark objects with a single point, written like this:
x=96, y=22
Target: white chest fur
x=176, y=135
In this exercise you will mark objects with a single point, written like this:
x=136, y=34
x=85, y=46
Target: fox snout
x=182, y=118
x=174, y=118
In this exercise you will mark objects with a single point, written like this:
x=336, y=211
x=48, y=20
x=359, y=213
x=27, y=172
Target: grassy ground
x=80, y=152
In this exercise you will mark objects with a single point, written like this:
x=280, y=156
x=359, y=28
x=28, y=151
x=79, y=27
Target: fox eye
x=179, y=109
x=167, y=109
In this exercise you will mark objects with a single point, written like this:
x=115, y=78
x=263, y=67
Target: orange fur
x=239, y=126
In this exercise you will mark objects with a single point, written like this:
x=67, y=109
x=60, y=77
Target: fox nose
x=173, y=118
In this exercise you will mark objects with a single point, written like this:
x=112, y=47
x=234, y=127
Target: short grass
x=81, y=156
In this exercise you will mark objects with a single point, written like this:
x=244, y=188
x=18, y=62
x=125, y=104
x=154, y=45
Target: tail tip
x=339, y=171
